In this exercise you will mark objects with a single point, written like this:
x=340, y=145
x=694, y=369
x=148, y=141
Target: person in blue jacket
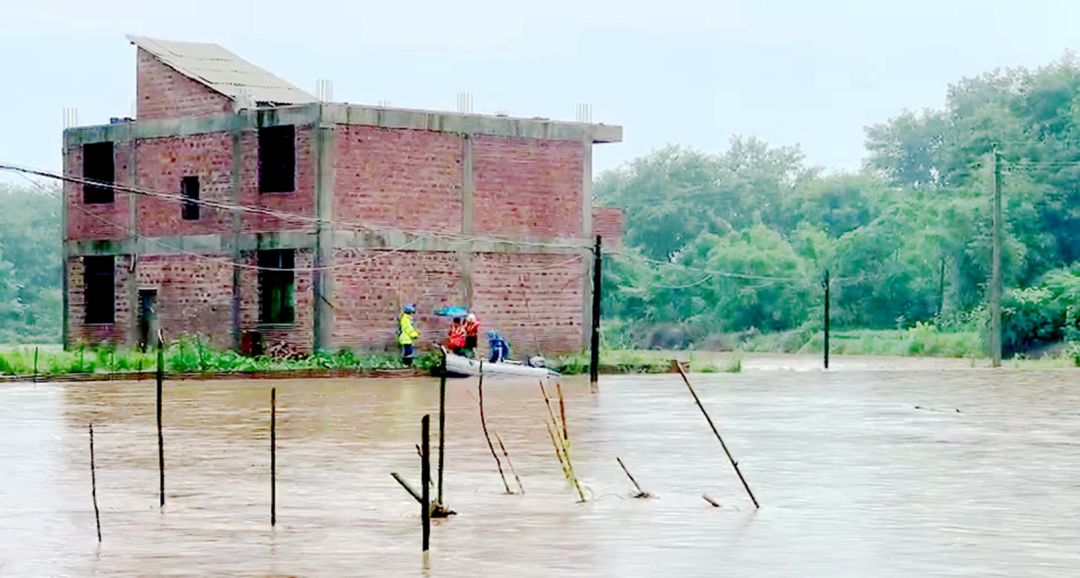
x=500, y=347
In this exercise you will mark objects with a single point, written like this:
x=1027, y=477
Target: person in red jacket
x=472, y=331
x=455, y=340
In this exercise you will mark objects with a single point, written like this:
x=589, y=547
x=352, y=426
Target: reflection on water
x=853, y=479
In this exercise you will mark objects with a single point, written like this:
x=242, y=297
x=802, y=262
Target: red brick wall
x=78, y=331
x=299, y=202
x=163, y=162
x=368, y=295
x=298, y=335
x=194, y=295
x=608, y=223
x=406, y=179
x=528, y=187
x=163, y=92
x=97, y=221
x=534, y=300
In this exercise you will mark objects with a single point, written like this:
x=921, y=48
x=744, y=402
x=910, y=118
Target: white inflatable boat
x=460, y=366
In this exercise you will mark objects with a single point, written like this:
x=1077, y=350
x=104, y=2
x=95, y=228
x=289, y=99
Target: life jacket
x=472, y=328
x=456, y=339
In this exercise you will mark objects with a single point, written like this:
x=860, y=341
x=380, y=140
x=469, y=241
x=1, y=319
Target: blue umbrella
x=452, y=311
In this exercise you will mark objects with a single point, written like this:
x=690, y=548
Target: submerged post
x=594, y=344
x=425, y=481
x=93, y=485
x=487, y=436
x=731, y=459
x=442, y=425
x=273, y=456
x=160, y=438
x=827, y=285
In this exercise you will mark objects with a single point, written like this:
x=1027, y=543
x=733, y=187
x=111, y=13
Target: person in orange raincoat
x=455, y=339
x=472, y=331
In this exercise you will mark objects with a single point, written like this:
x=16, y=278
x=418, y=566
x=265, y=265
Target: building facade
x=236, y=206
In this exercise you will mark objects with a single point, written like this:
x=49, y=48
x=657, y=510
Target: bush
x=1047, y=312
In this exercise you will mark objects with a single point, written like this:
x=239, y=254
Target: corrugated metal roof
x=222, y=71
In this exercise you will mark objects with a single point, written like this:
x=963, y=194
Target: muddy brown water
x=853, y=479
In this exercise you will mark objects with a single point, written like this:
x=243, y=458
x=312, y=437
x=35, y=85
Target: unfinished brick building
x=348, y=211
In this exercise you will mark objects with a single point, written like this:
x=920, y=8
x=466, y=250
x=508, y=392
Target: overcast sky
x=812, y=73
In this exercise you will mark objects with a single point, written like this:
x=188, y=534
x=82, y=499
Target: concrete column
x=236, y=223
x=133, y=234
x=468, y=186
x=65, y=317
x=468, y=213
x=587, y=235
x=323, y=279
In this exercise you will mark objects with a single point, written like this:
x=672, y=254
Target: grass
x=920, y=341
x=187, y=355
x=191, y=355
x=614, y=361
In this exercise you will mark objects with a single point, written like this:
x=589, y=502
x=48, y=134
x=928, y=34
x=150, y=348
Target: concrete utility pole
x=594, y=342
x=995, y=268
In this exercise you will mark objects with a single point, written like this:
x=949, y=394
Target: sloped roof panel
x=222, y=71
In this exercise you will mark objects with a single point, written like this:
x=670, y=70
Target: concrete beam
x=226, y=245
x=250, y=119
x=538, y=128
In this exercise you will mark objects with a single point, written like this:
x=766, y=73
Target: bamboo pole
x=562, y=411
x=425, y=481
x=551, y=413
x=487, y=436
x=734, y=463
x=562, y=447
x=640, y=492
x=558, y=450
x=273, y=456
x=711, y=501
x=506, y=455
x=442, y=425
x=93, y=485
x=35, y=363
x=412, y=492
x=160, y=378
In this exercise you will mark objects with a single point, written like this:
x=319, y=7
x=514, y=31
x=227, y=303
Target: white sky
x=812, y=73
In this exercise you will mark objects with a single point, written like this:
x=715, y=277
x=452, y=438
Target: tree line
x=741, y=240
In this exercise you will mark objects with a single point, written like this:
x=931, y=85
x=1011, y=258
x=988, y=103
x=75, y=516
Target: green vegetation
x=30, y=300
x=188, y=355
x=737, y=244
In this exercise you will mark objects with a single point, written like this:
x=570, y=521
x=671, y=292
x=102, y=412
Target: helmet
x=409, y=309
x=470, y=317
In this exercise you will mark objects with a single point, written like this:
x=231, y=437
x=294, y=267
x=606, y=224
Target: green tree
x=30, y=240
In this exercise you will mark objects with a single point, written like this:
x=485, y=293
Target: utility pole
x=995, y=268
x=594, y=345
x=827, y=285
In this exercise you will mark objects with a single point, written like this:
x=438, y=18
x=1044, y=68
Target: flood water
x=852, y=478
